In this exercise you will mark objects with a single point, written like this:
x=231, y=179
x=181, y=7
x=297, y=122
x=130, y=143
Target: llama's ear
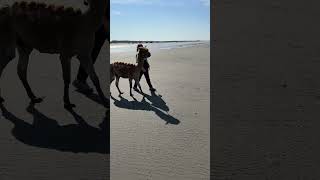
x=85, y=2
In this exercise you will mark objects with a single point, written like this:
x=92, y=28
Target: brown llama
x=129, y=71
x=57, y=30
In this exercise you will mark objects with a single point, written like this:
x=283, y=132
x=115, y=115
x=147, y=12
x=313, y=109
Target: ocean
x=131, y=48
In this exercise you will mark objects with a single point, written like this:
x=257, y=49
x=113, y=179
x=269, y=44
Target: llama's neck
x=140, y=62
x=97, y=11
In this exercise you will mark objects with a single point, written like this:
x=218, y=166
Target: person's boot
x=82, y=86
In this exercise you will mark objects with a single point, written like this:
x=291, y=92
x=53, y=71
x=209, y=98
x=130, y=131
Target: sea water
x=131, y=47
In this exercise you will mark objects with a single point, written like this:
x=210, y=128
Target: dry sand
x=51, y=143
x=165, y=136
x=266, y=69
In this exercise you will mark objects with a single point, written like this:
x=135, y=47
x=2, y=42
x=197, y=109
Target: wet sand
x=165, y=135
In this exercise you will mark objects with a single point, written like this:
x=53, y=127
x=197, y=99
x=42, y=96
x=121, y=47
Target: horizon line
x=160, y=40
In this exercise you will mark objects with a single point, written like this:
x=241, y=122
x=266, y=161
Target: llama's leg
x=111, y=78
x=22, y=73
x=86, y=63
x=112, y=75
x=130, y=83
x=4, y=60
x=117, y=84
x=135, y=84
x=138, y=82
x=66, y=71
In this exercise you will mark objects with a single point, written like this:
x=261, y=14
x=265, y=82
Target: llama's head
x=139, y=46
x=144, y=52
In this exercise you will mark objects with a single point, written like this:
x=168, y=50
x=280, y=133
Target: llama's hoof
x=69, y=106
x=36, y=100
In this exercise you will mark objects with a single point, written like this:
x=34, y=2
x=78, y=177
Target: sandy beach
x=164, y=135
x=48, y=142
x=266, y=91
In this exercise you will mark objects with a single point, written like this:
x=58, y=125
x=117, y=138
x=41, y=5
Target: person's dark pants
x=146, y=75
x=100, y=37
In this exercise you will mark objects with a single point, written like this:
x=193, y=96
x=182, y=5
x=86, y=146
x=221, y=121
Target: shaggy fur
x=129, y=71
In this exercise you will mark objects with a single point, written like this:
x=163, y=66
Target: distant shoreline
x=135, y=42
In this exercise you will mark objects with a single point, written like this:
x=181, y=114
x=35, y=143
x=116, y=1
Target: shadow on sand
x=94, y=97
x=45, y=132
x=158, y=105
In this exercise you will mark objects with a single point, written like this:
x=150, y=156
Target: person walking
x=101, y=35
x=146, y=66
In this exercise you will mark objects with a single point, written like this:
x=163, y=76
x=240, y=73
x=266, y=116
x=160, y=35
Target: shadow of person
x=156, y=101
x=145, y=106
x=47, y=133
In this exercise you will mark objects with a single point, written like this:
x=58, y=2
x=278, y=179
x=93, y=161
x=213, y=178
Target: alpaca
x=57, y=30
x=129, y=71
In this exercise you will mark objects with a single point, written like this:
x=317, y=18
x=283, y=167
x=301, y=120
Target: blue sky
x=160, y=20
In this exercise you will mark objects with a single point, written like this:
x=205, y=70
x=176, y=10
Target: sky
x=160, y=20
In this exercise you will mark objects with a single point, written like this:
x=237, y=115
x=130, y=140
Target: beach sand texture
x=266, y=91
x=165, y=136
